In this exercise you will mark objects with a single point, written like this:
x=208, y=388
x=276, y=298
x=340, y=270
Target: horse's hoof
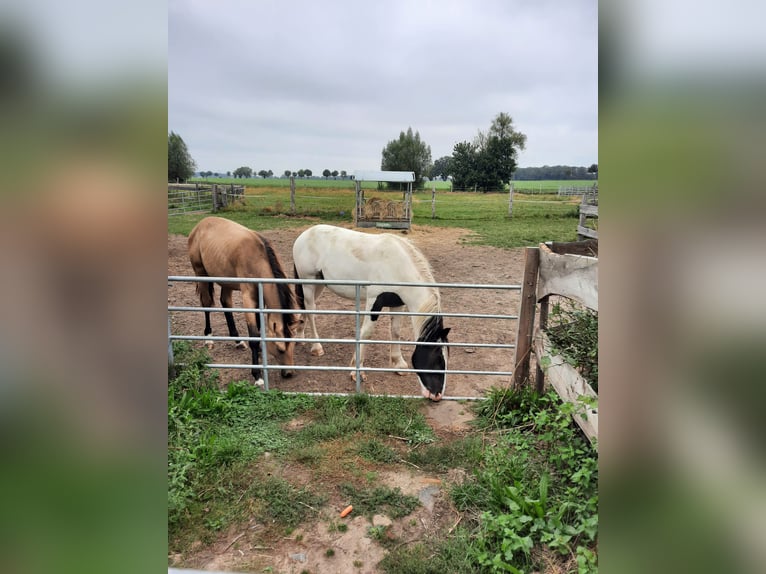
x=317, y=351
x=242, y=346
x=209, y=345
x=363, y=377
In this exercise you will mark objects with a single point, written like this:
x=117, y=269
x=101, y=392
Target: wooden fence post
x=526, y=315
x=510, y=200
x=433, y=201
x=292, y=195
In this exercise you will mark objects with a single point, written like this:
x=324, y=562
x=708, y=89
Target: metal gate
x=358, y=313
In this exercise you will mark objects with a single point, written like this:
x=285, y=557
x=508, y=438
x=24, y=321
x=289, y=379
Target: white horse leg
x=395, y=353
x=310, y=295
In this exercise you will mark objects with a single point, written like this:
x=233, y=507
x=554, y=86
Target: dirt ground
x=249, y=547
x=452, y=261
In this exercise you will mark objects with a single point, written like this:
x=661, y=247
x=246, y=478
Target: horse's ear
x=444, y=332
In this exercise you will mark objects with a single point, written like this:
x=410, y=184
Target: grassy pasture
x=550, y=186
x=536, y=218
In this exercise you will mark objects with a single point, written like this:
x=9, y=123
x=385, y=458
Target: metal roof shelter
x=376, y=212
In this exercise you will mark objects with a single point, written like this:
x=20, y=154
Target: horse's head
x=282, y=350
x=432, y=358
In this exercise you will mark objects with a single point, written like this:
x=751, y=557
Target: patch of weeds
x=375, y=451
x=342, y=527
x=285, y=503
x=329, y=553
x=537, y=487
x=379, y=500
x=451, y=555
x=573, y=331
x=335, y=417
x=358, y=563
x=383, y=535
x=310, y=455
x=466, y=452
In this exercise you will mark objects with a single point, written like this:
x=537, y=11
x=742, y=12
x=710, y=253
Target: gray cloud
x=289, y=85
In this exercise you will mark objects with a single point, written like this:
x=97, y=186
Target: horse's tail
x=299, y=290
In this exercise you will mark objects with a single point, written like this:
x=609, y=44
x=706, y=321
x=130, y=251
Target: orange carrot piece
x=346, y=511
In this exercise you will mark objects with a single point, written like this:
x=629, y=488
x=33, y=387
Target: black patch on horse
x=431, y=357
x=386, y=299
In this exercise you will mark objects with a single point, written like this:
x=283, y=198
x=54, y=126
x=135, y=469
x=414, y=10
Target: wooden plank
x=587, y=232
x=526, y=315
x=589, y=247
x=573, y=276
x=591, y=210
x=569, y=385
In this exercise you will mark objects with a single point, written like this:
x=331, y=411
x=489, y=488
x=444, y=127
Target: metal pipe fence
x=358, y=312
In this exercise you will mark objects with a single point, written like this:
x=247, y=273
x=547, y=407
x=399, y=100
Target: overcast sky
x=300, y=84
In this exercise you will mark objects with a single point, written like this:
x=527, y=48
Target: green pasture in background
x=536, y=218
x=551, y=186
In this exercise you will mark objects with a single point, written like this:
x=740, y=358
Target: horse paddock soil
x=453, y=261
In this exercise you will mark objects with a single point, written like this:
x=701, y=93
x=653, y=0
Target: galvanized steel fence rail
x=358, y=313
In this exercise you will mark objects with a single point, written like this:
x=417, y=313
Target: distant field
x=542, y=186
x=536, y=218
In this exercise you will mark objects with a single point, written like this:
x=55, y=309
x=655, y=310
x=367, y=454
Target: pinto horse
x=219, y=247
x=335, y=253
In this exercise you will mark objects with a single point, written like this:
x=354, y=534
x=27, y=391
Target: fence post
x=510, y=200
x=358, y=344
x=292, y=195
x=263, y=333
x=526, y=315
x=433, y=201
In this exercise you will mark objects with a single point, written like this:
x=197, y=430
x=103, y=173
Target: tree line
x=556, y=172
x=485, y=163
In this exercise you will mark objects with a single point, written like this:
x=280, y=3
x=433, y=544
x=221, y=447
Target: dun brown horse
x=219, y=247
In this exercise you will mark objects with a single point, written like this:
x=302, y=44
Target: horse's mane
x=286, y=296
x=432, y=304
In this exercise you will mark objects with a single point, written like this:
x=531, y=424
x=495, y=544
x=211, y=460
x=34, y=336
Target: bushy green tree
x=488, y=162
x=243, y=171
x=408, y=153
x=181, y=166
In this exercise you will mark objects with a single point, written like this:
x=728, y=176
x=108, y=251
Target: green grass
x=530, y=495
x=535, y=218
x=303, y=183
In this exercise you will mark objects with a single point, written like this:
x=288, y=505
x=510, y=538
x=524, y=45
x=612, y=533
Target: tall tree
x=307, y=172
x=287, y=173
x=326, y=173
x=408, y=153
x=181, y=166
x=334, y=173
x=343, y=174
